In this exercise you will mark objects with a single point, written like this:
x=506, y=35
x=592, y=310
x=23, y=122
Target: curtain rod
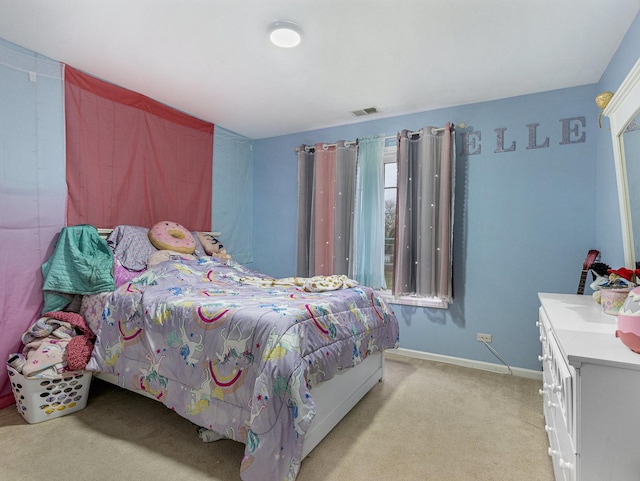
x=309, y=148
x=348, y=143
x=435, y=130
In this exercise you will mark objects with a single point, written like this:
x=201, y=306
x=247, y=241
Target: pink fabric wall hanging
x=132, y=160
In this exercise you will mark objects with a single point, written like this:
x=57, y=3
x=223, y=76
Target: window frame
x=391, y=156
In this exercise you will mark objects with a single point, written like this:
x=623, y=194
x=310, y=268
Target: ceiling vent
x=367, y=111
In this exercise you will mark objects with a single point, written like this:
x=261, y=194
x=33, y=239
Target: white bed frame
x=334, y=398
x=337, y=396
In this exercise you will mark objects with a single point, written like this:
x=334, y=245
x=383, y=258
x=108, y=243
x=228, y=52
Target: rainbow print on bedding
x=237, y=352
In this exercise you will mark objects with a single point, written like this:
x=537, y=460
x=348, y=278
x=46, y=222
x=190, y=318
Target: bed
x=272, y=363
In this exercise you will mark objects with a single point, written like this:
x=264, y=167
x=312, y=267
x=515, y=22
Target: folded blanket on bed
x=309, y=284
x=82, y=263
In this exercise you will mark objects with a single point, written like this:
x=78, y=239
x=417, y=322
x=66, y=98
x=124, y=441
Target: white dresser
x=591, y=392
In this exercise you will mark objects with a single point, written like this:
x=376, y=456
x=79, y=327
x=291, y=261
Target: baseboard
x=459, y=361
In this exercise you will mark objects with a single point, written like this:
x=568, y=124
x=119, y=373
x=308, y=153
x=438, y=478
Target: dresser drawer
x=558, y=376
x=561, y=445
x=558, y=404
x=561, y=389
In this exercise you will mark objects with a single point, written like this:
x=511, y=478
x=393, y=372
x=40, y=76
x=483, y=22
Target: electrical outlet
x=483, y=337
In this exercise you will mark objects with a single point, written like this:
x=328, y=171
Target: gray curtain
x=305, y=197
x=424, y=219
x=326, y=192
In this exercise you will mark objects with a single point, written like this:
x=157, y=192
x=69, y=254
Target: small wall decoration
x=571, y=132
x=602, y=100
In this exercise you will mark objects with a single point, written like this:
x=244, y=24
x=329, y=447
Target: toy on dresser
x=611, y=286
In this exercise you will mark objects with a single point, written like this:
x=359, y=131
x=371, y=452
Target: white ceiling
x=212, y=58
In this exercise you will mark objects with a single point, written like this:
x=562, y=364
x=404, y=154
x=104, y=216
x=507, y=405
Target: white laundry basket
x=42, y=399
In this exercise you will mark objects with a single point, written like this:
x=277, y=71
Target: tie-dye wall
x=32, y=188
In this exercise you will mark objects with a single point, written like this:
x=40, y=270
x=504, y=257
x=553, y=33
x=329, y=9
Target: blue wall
x=524, y=219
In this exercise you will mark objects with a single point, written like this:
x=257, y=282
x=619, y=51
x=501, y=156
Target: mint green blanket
x=82, y=263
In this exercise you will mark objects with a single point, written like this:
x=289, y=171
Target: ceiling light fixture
x=285, y=34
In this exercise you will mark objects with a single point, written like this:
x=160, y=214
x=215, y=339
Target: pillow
x=167, y=235
x=131, y=245
x=199, y=252
x=121, y=274
x=212, y=246
x=166, y=255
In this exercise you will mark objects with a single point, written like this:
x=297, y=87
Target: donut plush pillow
x=172, y=236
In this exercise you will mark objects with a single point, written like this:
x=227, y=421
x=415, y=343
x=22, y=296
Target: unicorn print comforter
x=234, y=355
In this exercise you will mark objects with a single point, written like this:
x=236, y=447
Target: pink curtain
x=326, y=193
x=323, y=226
x=132, y=160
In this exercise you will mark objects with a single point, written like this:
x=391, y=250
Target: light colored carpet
x=427, y=422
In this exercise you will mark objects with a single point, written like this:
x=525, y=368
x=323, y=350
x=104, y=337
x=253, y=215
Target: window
x=390, y=196
x=401, y=220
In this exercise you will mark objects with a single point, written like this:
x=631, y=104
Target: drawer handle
x=537, y=323
x=565, y=464
x=541, y=392
x=561, y=462
x=550, y=404
x=556, y=388
x=548, y=429
x=544, y=357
